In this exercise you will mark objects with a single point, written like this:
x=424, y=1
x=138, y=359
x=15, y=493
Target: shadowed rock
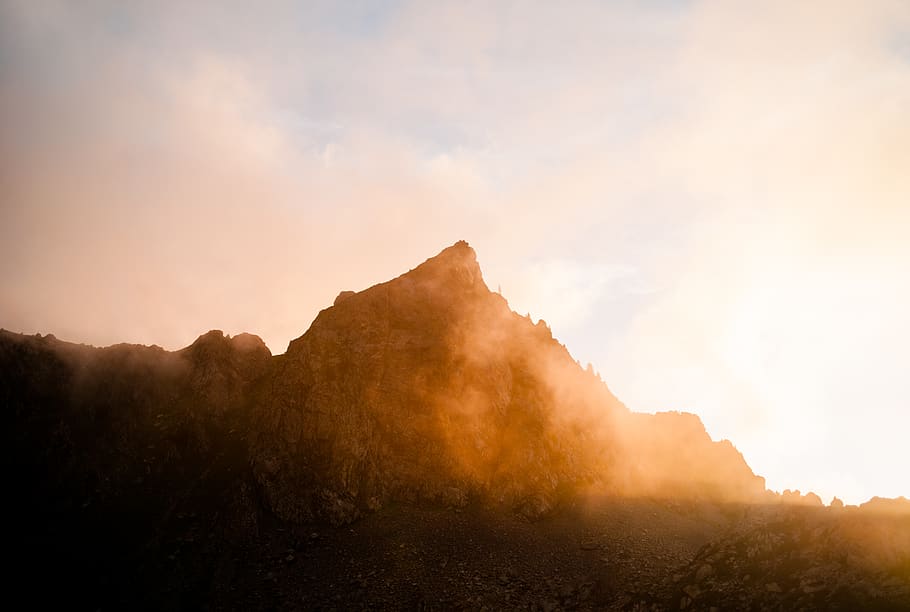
x=143, y=477
x=428, y=387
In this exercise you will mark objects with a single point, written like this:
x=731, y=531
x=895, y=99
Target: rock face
x=171, y=480
x=424, y=388
x=428, y=387
x=801, y=557
x=106, y=447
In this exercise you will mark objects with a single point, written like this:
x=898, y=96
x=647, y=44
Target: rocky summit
x=429, y=388
x=420, y=446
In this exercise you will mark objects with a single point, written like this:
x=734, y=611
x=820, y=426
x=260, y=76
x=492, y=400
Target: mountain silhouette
x=197, y=478
x=428, y=387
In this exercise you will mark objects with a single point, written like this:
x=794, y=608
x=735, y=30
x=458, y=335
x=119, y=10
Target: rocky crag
x=428, y=387
x=190, y=478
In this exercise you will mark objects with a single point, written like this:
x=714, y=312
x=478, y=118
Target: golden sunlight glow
x=706, y=200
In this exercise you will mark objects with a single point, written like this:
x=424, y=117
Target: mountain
x=418, y=416
x=428, y=387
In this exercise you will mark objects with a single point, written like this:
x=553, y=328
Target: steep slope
x=423, y=388
x=428, y=387
x=106, y=451
x=799, y=557
x=426, y=408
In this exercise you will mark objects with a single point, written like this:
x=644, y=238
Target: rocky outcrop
x=172, y=473
x=898, y=506
x=800, y=557
x=111, y=449
x=429, y=387
x=795, y=498
x=424, y=388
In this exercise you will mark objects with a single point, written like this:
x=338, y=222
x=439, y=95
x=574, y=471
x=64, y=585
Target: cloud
x=782, y=306
x=168, y=168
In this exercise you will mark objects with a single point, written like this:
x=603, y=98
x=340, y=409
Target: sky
x=707, y=200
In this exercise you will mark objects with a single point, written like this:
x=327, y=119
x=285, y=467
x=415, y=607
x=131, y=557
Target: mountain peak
x=216, y=339
x=461, y=250
x=443, y=393
x=450, y=275
x=454, y=265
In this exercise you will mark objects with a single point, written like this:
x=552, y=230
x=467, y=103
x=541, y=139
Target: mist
x=704, y=200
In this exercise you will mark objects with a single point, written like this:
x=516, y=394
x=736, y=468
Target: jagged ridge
x=426, y=389
x=429, y=387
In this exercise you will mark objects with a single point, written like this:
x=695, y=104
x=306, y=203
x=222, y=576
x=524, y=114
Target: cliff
x=429, y=387
x=194, y=476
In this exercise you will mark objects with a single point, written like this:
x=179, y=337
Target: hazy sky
x=709, y=201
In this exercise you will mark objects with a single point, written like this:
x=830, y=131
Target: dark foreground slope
x=107, y=449
x=420, y=446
